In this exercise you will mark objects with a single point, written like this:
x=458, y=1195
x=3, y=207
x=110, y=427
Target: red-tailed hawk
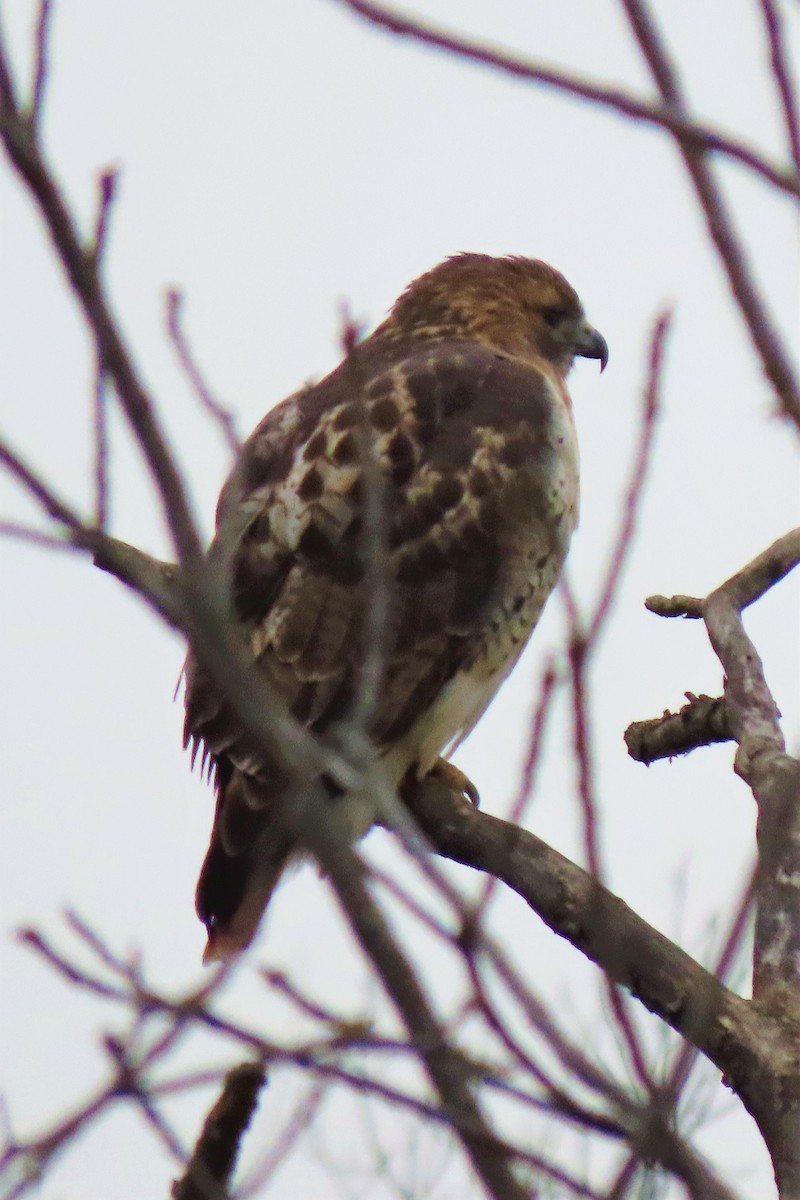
x=462, y=394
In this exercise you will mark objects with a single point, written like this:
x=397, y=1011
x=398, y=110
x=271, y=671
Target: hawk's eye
x=553, y=316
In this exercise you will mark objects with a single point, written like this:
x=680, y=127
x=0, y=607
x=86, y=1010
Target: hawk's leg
x=455, y=780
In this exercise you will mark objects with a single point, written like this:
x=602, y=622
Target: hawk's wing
x=477, y=460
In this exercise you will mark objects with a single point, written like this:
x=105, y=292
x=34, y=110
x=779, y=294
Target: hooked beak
x=591, y=344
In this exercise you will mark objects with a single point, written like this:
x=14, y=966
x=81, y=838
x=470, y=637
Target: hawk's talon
x=455, y=779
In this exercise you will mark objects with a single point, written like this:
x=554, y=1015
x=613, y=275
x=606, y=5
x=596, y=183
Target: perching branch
x=666, y=979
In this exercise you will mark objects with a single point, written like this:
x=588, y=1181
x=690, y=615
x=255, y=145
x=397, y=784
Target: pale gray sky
x=277, y=157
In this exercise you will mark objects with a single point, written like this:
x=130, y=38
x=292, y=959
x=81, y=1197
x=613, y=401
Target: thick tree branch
x=742, y=1043
x=752, y=719
x=705, y=719
x=701, y=722
x=209, y=1171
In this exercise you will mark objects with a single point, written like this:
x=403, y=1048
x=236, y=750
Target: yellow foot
x=455, y=780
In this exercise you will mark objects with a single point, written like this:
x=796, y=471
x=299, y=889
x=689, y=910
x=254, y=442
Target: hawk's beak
x=591, y=344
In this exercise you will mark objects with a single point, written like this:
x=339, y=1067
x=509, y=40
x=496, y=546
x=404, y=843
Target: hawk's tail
x=242, y=868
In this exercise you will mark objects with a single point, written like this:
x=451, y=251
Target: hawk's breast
x=536, y=499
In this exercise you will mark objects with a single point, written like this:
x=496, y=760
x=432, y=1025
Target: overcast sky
x=276, y=158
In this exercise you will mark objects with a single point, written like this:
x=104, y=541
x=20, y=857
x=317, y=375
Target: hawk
x=458, y=404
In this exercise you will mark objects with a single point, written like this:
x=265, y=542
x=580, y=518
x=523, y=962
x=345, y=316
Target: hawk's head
x=518, y=305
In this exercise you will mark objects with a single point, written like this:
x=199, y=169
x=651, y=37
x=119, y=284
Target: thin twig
x=284, y=1143
x=222, y=416
x=35, y=537
x=40, y=61
x=763, y=333
x=100, y=421
x=688, y=1054
x=53, y=506
x=29, y=1159
x=526, y=785
x=689, y=133
x=782, y=74
x=27, y=159
x=106, y=194
x=311, y=1008
x=631, y=507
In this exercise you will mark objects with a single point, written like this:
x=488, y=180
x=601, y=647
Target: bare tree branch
x=668, y=1093
x=745, y=587
x=223, y=417
x=686, y=131
x=665, y=979
x=650, y=410
x=285, y=1141
x=719, y=222
x=209, y=1171
x=101, y=481
x=107, y=191
x=701, y=722
x=25, y=154
x=40, y=60
x=752, y=719
x=782, y=74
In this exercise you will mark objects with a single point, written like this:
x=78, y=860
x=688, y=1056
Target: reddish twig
x=688, y=1054
x=526, y=784
x=763, y=334
x=782, y=74
x=284, y=1142
x=40, y=60
x=100, y=420
x=591, y=841
x=223, y=417
x=35, y=537
x=44, y=495
x=30, y=1159
x=689, y=133
x=25, y=153
x=107, y=190
x=630, y=511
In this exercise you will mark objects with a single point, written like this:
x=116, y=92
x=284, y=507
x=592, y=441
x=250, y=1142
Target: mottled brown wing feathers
x=455, y=430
